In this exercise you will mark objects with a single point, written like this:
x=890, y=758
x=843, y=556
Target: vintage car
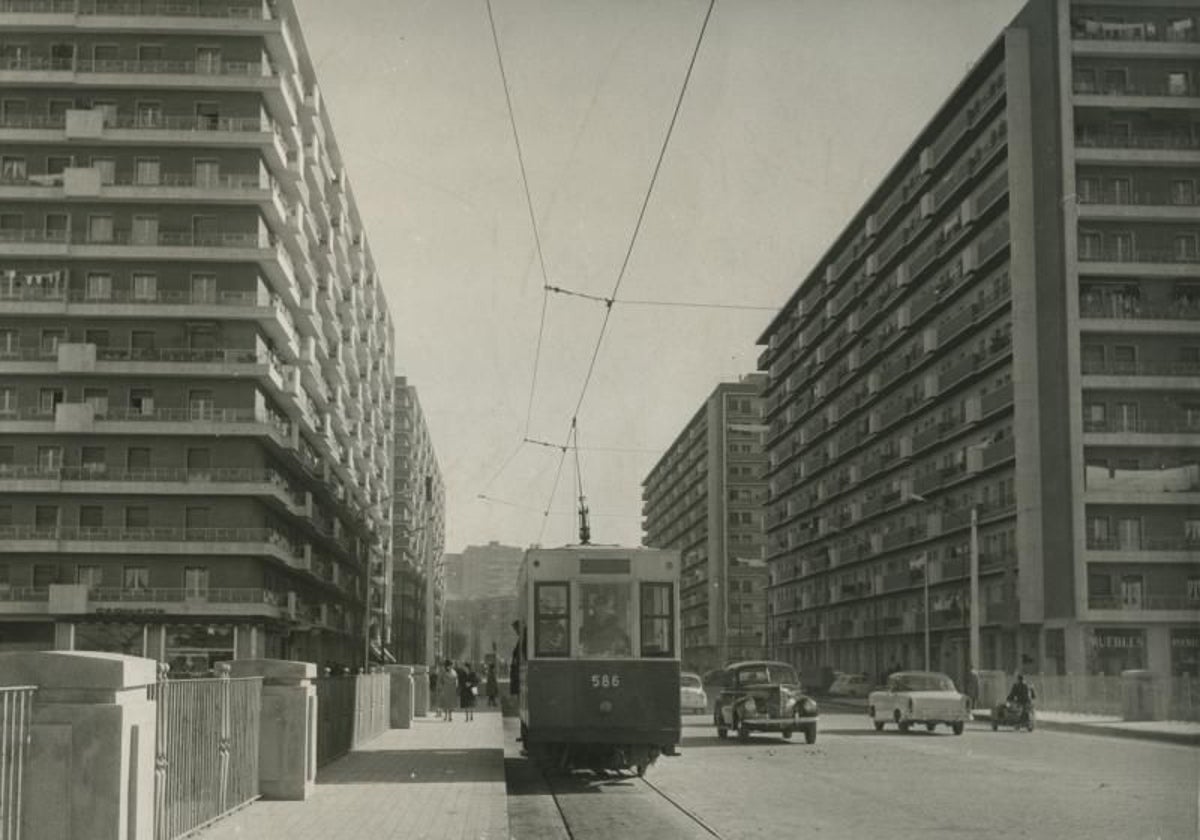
x=849, y=685
x=763, y=696
x=919, y=698
x=692, y=699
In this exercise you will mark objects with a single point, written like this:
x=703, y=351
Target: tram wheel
x=722, y=732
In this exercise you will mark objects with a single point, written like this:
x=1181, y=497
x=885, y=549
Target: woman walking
x=447, y=689
x=467, y=683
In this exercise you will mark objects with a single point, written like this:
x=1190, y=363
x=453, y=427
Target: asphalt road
x=857, y=783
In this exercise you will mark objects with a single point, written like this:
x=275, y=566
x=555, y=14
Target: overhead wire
x=642, y=212
x=673, y=303
x=537, y=237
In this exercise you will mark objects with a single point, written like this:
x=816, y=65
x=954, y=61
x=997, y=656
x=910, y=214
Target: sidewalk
x=1171, y=731
x=436, y=780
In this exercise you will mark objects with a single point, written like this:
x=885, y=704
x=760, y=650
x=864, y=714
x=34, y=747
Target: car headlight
x=809, y=705
x=750, y=707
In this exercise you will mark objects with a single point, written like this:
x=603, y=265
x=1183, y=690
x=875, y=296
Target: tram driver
x=603, y=632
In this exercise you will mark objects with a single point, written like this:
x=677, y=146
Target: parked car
x=764, y=696
x=919, y=697
x=849, y=685
x=692, y=699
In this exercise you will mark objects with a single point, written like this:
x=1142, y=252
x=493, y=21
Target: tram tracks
x=617, y=804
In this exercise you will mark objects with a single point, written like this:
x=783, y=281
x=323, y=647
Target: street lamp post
x=974, y=589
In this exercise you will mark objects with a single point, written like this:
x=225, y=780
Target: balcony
x=173, y=541
x=1154, y=94
x=1168, y=431
x=1132, y=314
x=1124, y=205
x=1154, y=147
x=1165, y=607
x=1163, y=38
x=209, y=602
x=1107, y=373
x=1174, y=485
x=159, y=481
x=1139, y=548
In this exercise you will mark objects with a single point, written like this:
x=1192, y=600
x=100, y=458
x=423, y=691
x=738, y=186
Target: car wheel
x=929, y=727
x=787, y=734
x=995, y=724
x=878, y=725
x=957, y=726
x=641, y=769
x=722, y=732
x=810, y=735
x=742, y=730
x=904, y=726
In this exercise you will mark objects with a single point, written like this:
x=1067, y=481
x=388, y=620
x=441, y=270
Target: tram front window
x=604, y=630
x=551, y=634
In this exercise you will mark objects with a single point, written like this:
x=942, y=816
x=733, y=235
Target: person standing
x=467, y=682
x=448, y=690
x=514, y=665
x=493, y=688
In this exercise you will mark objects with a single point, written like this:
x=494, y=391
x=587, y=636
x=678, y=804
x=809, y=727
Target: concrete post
x=402, y=695
x=420, y=677
x=90, y=763
x=1138, y=694
x=287, y=747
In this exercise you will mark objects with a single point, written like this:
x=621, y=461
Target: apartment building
x=195, y=351
x=705, y=498
x=419, y=534
x=1006, y=334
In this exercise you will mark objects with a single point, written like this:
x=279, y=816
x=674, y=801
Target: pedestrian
x=448, y=691
x=493, y=688
x=435, y=702
x=514, y=666
x=467, y=688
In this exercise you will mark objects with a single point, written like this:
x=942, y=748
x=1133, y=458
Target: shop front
x=1185, y=651
x=1116, y=649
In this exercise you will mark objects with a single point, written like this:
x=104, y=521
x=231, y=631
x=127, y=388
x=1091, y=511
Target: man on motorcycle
x=1022, y=695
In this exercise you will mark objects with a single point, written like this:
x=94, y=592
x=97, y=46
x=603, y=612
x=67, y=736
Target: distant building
x=1007, y=331
x=419, y=534
x=483, y=571
x=481, y=601
x=195, y=349
x=704, y=497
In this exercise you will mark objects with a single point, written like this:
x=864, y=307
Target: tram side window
x=658, y=620
x=604, y=629
x=552, y=632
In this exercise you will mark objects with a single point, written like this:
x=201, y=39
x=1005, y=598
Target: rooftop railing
x=1175, y=31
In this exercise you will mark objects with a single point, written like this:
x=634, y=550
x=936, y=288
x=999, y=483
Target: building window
x=141, y=400
x=148, y=115
x=96, y=337
x=13, y=170
x=48, y=398
x=135, y=577
x=93, y=460
x=100, y=228
x=50, y=339
x=107, y=169
x=204, y=288
x=49, y=459
x=89, y=576
x=8, y=401
x=141, y=343
x=137, y=517
x=45, y=518
x=195, y=582
x=145, y=287
x=99, y=286
x=44, y=574
x=201, y=405
x=145, y=230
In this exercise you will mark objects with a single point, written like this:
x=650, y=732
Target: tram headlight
x=605, y=707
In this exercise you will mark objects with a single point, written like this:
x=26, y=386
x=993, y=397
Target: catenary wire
x=642, y=212
x=554, y=489
x=537, y=237
x=671, y=303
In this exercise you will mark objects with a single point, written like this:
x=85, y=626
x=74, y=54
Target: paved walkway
x=442, y=781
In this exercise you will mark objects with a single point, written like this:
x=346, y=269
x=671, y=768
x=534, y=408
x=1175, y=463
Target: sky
x=795, y=110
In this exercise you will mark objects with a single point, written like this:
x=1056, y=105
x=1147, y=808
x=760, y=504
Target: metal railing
x=152, y=239
x=335, y=717
x=1085, y=138
x=1128, y=307
x=1096, y=367
x=16, y=707
x=1146, y=602
x=244, y=595
x=206, y=750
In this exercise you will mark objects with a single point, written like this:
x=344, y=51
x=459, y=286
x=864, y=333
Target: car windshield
x=689, y=681
x=784, y=674
x=756, y=675
x=922, y=682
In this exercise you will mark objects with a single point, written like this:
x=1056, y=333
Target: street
x=856, y=783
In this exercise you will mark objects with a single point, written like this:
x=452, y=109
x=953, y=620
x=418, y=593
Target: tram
x=600, y=637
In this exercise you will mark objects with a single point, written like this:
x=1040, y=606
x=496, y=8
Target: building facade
x=704, y=497
x=195, y=350
x=1007, y=334
x=415, y=578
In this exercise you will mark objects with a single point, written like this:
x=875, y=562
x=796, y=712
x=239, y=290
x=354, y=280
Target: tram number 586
x=606, y=680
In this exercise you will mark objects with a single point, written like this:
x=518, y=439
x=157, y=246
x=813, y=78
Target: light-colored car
x=850, y=685
x=692, y=698
x=913, y=698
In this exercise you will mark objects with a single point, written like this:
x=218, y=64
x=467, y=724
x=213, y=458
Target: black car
x=764, y=696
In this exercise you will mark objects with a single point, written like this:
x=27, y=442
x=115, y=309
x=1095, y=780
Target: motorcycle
x=1014, y=714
